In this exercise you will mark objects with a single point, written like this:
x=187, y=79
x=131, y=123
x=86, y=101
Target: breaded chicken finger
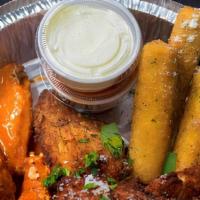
x=153, y=110
x=185, y=38
x=187, y=145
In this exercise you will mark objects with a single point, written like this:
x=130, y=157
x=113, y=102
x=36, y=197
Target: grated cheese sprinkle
x=193, y=23
x=103, y=187
x=177, y=38
x=33, y=174
x=191, y=38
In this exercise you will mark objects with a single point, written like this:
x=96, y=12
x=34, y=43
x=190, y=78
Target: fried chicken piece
x=72, y=188
x=35, y=172
x=182, y=185
x=7, y=186
x=59, y=131
x=166, y=185
x=130, y=189
x=16, y=114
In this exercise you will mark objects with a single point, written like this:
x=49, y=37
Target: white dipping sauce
x=88, y=42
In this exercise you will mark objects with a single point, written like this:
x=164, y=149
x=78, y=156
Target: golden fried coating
x=35, y=172
x=153, y=112
x=16, y=114
x=187, y=147
x=185, y=38
x=59, y=131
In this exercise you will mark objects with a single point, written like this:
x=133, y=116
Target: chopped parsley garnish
x=78, y=173
x=104, y=198
x=112, y=183
x=112, y=139
x=84, y=140
x=91, y=159
x=56, y=173
x=94, y=171
x=89, y=186
x=170, y=163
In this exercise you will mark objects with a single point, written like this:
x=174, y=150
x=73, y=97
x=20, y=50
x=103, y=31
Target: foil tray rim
x=10, y=16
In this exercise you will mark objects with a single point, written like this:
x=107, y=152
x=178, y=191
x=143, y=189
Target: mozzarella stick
x=153, y=110
x=185, y=38
x=187, y=145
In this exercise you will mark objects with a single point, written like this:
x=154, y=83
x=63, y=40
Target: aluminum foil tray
x=19, y=20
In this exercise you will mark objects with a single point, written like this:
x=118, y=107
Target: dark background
x=195, y=3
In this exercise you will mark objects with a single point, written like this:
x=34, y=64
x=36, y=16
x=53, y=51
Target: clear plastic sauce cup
x=89, y=52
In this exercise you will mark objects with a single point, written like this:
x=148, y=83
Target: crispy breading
x=73, y=188
x=185, y=38
x=35, y=172
x=16, y=114
x=183, y=185
x=166, y=185
x=187, y=146
x=59, y=130
x=154, y=107
x=130, y=189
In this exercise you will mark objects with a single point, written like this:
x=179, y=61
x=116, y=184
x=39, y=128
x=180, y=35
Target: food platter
x=145, y=147
x=18, y=25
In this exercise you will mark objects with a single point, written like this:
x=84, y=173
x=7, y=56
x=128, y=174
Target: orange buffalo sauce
x=15, y=114
x=35, y=172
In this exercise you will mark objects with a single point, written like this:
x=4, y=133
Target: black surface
x=195, y=3
x=3, y=1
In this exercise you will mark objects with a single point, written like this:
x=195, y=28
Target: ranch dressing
x=88, y=42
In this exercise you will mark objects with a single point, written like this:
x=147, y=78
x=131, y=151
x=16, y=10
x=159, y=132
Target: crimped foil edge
x=43, y=5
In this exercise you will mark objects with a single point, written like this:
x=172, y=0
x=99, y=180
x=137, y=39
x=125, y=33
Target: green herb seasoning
x=94, y=171
x=91, y=159
x=112, y=139
x=90, y=186
x=170, y=163
x=56, y=173
x=84, y=140
x=104, y=198
x=78, y=173
x=112, y=183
